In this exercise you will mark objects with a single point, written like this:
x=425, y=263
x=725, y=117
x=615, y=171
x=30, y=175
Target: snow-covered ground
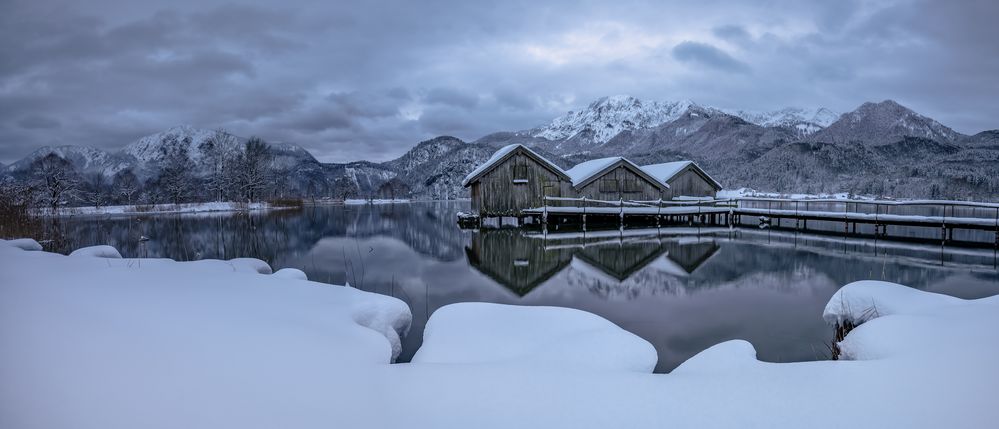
x=225, y=206
x=375, y=201
x=95, y=341
x=747, y=192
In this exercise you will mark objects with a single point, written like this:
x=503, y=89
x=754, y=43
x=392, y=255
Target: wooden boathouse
x=513, y=179
x=516, y=179
x=613, y=179
x=685, y=179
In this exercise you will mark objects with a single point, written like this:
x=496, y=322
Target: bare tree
x=126, y=185
x=15, y=195
x=97, y=190
x=175, y=180
x=218, y=151
x=254, y=167
x=55, y=179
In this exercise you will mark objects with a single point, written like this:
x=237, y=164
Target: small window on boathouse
x=520, y=173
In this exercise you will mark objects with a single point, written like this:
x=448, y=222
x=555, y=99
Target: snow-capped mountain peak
x=607, y=116
x=804, y=121
x=151, y=147
x=86, y=159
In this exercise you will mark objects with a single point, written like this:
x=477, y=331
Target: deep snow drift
x=93, y=340
x=96, y=341
x=498, y=334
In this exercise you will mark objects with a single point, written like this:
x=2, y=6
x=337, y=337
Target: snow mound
x=291, y=273
x=869, y=299
x=23, y=244
x=509, y=335
x=898, y=321
x=250, y=265
x=156, y=343
x=102, y=251
x=727, y=356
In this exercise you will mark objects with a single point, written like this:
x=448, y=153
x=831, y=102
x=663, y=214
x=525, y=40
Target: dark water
x=681, y=289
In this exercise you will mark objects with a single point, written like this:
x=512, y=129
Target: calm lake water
x=682, y=289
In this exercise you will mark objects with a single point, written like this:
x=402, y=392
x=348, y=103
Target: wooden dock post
x=620, y=202
x=659, y=211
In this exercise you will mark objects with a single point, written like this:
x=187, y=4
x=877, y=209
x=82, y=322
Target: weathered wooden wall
x=689, y=183
x=614, y=188
x=507, y=189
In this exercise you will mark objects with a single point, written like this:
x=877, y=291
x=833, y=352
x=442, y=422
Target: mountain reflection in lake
x=682, y=289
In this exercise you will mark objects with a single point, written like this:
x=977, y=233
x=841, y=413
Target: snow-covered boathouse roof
x=505, y=153
x=585, y=172
x=666, y=171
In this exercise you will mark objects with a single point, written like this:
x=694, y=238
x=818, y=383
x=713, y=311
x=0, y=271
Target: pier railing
x=915, y=208
x=849, y=216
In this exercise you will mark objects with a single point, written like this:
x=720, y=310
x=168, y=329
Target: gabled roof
x=666, y=171
x=585, y=172
x=505, y=153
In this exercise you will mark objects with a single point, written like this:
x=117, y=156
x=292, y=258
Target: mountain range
x=879, y=148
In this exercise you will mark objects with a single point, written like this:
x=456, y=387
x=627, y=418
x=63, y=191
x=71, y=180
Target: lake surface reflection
x=682, y=289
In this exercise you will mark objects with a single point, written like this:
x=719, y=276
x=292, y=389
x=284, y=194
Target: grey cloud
x=708, y=55
x=370, y=104
x=734, y=33
x=35, y=122
x=451, y=97
x=368, y=80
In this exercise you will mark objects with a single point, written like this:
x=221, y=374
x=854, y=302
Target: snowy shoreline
x=151, y=209
x=95, y=340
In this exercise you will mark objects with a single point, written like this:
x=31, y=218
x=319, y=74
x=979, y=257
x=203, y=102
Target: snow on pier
x=782, y=213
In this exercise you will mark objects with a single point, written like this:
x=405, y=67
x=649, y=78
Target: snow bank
x=249, y=265
x=902, y=322
x=869, y=299
x=104, y=343
x=154, y=343
x=484, y=333
x=291, y=273
x=728, y=356
x=22, y=243
x=101, y=251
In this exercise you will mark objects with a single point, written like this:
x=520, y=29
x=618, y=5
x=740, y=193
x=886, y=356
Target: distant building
x=513, y=179
x=516, y=178
x=685, y=179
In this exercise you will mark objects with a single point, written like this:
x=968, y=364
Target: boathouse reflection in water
x=521, y=261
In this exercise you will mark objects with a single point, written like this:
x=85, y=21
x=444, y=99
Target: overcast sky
x=368, y=80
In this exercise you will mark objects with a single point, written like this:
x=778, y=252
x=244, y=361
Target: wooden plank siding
x=517, y=183
x=620, y=183
x=690, y=183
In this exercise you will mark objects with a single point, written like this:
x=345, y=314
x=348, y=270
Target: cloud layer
x=368, y=80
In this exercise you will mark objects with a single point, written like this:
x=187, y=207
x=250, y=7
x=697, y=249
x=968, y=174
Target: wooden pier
x=953, y=222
